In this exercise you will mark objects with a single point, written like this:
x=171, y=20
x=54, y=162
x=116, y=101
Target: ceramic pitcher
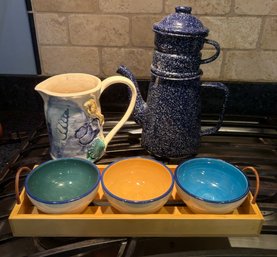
x=73, y=114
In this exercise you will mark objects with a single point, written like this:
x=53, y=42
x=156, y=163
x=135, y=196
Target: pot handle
x=257, y=182
x=220, y=86
x=217, y=48
x=17, y=176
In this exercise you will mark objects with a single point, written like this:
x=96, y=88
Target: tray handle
x=17, y=176
x=257, y=182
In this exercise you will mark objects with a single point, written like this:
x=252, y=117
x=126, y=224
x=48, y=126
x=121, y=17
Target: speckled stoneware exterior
x=175, y=66
x=179, y=38
x=171, y=117
x=180, y=23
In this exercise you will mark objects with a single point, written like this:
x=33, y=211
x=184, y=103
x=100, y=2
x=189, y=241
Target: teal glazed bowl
x=213, y=186
x=65, y=185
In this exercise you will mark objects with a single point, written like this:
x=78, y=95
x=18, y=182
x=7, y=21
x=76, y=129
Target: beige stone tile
x=137, y=60
x=251, y=65
x=103, y=30
x=211, y=71
x=51, y=28
x=131, y=6
x=200, y=6
x=256, y=7
x=65, y=5
x=142, y=33
x=234, y=32
x=59, y=59
x=269, y=36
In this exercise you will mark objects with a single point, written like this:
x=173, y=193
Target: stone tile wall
x=96, y=36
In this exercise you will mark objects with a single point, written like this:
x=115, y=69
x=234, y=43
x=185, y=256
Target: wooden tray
x=101, y=220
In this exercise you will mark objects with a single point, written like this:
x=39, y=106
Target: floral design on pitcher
x=87, y=132
x=62, y=126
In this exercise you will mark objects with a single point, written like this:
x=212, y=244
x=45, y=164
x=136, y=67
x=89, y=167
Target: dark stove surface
x=242, y=141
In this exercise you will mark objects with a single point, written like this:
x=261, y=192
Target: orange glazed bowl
x=137, y=185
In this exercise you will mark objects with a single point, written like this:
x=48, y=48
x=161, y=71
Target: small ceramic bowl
x=211, y=185
x=65, y=185
x=137, y=185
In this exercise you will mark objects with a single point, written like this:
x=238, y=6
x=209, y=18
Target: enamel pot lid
x=181, y=23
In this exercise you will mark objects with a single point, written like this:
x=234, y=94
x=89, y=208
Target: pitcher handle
x=217, y=48
x=113, y=80
x=220, y=86
x=257, y=182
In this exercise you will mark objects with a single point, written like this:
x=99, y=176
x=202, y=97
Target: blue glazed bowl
x=211, y=185
x=65, y=185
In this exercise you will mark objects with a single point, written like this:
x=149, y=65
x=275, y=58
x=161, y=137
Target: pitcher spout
x=42, y=90
x=140, y=109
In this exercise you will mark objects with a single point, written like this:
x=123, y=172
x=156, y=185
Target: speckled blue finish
x=176, y=66
x=183, y=34
x=171, y=126
x=171, y=117
x=181, y=22
x=174, y=44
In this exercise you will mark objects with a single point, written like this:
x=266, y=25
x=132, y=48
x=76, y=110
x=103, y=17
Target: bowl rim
x=106, y=190
x=95, y=185
x=232, y=200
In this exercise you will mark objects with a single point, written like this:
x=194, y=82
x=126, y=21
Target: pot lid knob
x=181, y=23
x=183, y=9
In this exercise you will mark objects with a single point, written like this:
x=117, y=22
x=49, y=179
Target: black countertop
x=246, y=98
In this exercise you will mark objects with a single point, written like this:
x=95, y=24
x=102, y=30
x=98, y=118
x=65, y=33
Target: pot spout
x=140, y=106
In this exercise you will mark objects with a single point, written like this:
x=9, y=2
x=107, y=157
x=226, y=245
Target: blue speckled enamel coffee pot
x=170, y=119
